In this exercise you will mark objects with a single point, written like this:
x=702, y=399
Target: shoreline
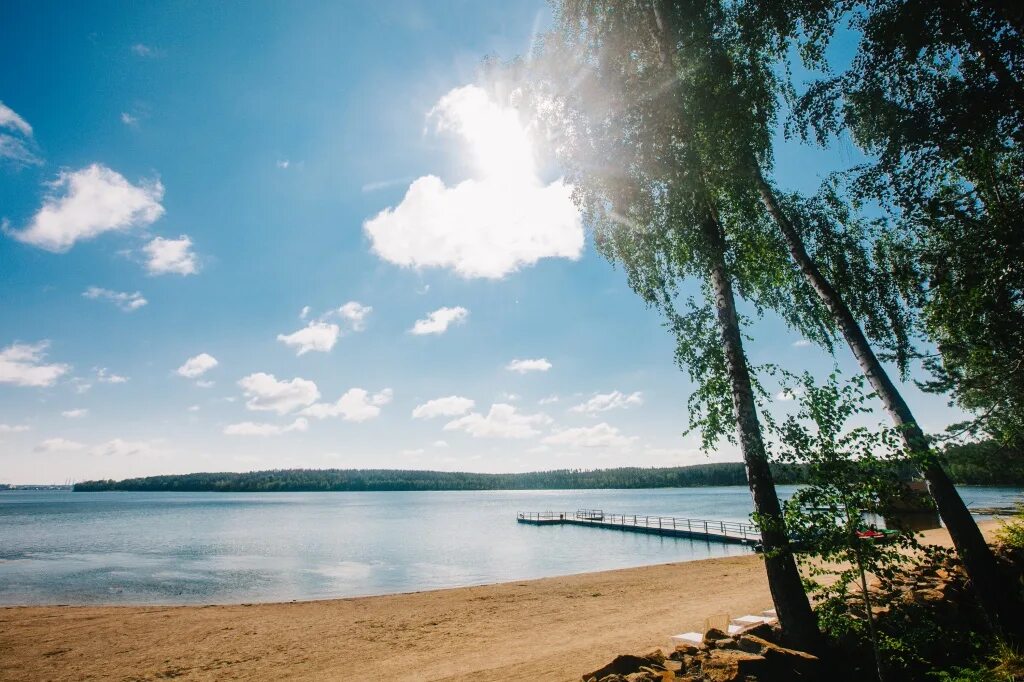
x=542, y=629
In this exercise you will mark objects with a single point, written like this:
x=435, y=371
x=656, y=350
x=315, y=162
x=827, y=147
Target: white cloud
x=86, y=203
x=412, y=452
x=10, y=119
x=787, y=394
x=205, y=384
x=438, y=321
x=171, y=256
x=105, y=376
x=142, y=50
x=263, y=429
x=305, y=312
x=450, y=406
x=490, y=225
x=264, y=392
x=122, y=448
x=76, y=413
x=283, y=164
x=58, y=445
x=356, y=314
x=524, y=366
x=14, y=428
x=22, y=364
x=128, y=119
x=502, y=421
x=16, y=147
x=316, y=336
x=197, y=366
x=122, y=299
x=356, y=405
x=194, y=408
x=602, y=402
x=549, y=400
x=440, y=443
x=600, y=436
x=802, y=343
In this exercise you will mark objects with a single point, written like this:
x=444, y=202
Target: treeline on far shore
x=977, y=464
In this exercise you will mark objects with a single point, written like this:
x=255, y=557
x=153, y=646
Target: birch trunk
x=798, y=621
x=977, y=557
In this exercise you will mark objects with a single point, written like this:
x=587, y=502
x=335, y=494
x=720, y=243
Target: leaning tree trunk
x=977, y=558
x=799, y=625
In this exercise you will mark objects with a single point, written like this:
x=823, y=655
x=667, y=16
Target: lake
x=150, y=548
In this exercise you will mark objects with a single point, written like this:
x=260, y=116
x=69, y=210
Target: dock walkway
x=701, y=529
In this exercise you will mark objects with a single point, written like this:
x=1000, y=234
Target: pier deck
x=699, y=529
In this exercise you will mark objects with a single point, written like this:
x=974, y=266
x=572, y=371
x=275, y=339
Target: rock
x=731, y=665
x=727, y=643
x=781, y=661
x=624, y=665
x=656, y=656
x=714, y=634
x=764, y=631
x=687, y=650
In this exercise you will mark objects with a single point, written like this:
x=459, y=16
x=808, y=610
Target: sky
x=243, y=236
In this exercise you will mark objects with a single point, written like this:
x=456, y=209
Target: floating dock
x=698, y=529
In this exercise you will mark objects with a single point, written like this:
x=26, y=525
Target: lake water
x=120, y=547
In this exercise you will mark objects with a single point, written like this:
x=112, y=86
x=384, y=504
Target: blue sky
x=261, y=235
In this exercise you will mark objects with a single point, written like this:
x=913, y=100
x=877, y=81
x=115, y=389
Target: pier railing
x=668, y=525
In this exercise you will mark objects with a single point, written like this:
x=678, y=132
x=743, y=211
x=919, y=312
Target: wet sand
x=547, y=629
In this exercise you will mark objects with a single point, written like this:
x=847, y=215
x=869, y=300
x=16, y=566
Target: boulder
x=732, y=665
x=624, y=665
x=786, y=663
x=687, y=650
x=727, y=643
x=714, y=634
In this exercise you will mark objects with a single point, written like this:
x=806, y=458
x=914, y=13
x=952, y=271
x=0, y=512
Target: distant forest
x=977, y=464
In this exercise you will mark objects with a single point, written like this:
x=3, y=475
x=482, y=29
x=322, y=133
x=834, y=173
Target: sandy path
x=549, y=629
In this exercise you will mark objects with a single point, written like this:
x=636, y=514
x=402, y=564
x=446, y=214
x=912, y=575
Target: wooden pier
x=698, y=529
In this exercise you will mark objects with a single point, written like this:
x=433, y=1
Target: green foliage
x=934, y=95
x=311, y=480
x=852, y=473
x=1011, y=532
x=985, y=463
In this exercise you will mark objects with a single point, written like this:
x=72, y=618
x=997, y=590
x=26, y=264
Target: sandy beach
x=548, y=629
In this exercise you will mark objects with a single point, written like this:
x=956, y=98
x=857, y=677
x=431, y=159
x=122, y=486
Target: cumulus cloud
x=197, y=366
x=524, y=366
x=450, y=406
x=600, y=436
x=264, y=392
x=356, y=405
x=76, y=413
x=16, y=146
x=128, y=119
x=788, y=394
x=488, y=226
x=355, y=313
x=58, y=445
x=105, y=376
x=171, y=256
x=304, y=313
x=143, y=50
x=86, y=203
x=801, y=343
x=13, y=428
x=549, y=400
x=122, y=448
x=602, y=402
x=123, y=300
x=263, y=429
x=438, y=321
x=501, y=421
x=316, y=336
x=22, y=364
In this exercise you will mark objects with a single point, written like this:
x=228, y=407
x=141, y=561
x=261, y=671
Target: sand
x=548, y=629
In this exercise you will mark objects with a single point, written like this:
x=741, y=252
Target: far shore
x=547, y=629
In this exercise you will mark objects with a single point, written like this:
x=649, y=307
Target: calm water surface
x=118, y=547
